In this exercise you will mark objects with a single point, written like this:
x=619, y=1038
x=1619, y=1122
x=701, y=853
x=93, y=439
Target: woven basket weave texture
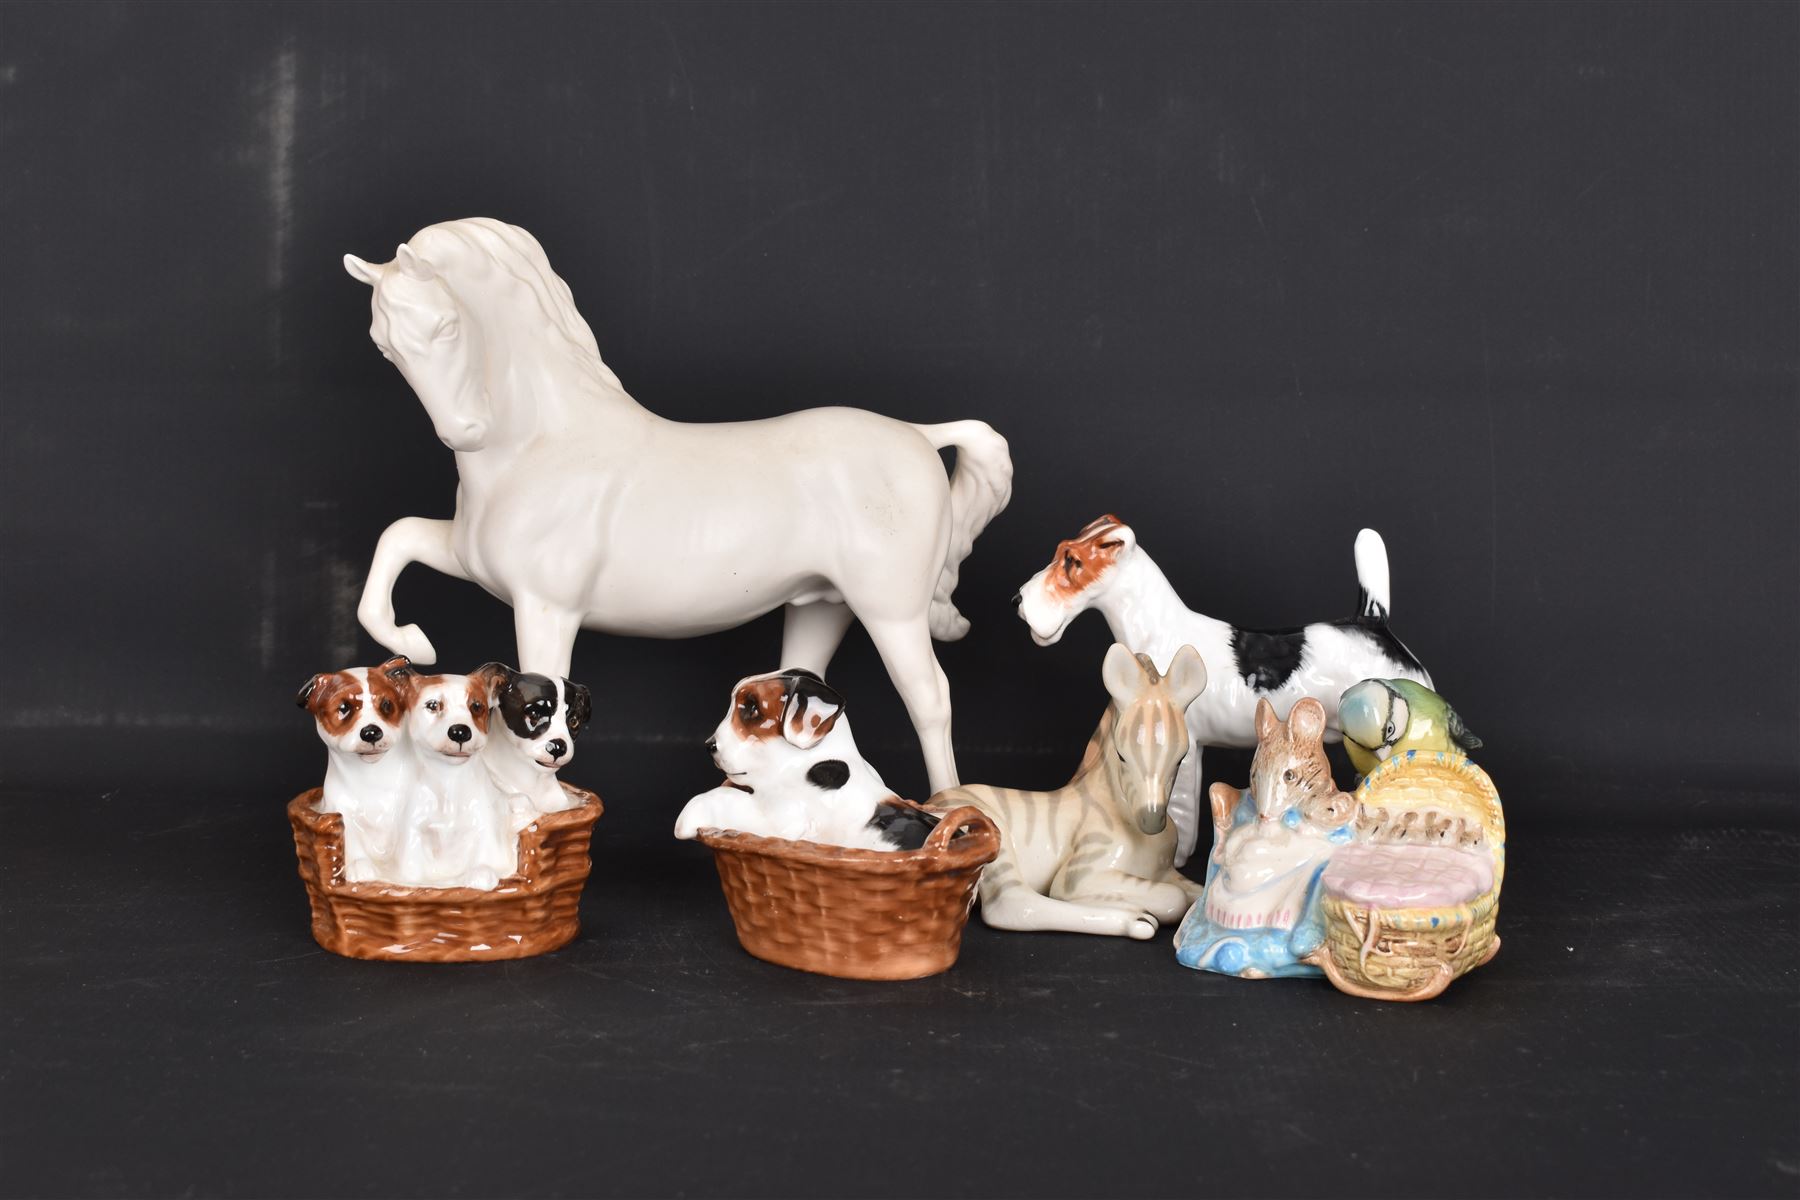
x=531, y=912
x=1414, y=953
x=855, y=914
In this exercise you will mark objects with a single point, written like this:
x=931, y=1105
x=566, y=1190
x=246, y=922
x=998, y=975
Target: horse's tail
x=980, y=486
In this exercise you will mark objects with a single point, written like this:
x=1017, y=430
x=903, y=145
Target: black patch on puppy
x=527, y=704
x=1266, y=658
x=831, y=774
x=581, y=706
x=808, y=696
x=903, y=826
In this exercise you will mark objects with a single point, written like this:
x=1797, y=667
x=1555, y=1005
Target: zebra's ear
x=1187, y=676
x=1123, y=675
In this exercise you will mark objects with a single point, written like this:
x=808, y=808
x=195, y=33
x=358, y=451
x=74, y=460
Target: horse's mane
x=515, y=254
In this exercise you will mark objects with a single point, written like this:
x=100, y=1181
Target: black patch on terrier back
x=905, y=827
x=1266, y=658
x=830, y=775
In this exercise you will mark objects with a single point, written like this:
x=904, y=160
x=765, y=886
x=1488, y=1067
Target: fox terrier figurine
x=1103, y=567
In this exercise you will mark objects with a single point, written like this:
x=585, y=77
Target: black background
x=1517, y=285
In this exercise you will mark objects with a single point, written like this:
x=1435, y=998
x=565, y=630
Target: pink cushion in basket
x=1390, y=876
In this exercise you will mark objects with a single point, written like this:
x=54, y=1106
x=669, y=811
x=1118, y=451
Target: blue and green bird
x=1384, y=717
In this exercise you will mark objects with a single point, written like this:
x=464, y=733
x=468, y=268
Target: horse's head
x=418, y=326
x=1149, y=734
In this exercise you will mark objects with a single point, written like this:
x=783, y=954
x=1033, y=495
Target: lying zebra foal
x=1097, y=855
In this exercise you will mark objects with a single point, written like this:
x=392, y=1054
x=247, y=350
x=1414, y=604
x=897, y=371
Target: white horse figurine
x=581, y=509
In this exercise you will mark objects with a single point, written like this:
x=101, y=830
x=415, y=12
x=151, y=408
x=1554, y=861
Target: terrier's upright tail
x=1372, y=603
x=980, y=486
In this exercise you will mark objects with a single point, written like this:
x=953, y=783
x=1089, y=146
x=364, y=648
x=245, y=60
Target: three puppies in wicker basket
x=792, y=770
x=432, y=791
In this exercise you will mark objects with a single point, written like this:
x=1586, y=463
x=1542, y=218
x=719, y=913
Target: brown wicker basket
x=531, y=912
x=856, y=914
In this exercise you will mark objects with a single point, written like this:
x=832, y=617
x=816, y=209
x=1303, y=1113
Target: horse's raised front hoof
x=411, y=641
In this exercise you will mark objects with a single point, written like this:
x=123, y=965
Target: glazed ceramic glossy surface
x=1097, y=855
x=1103, y=567
x=434, y=776
x=855, y=914
x=535, y=909
x=1259, y=917
x=583, y=510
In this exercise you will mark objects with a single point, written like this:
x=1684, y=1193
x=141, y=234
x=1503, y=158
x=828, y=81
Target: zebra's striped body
x=1097, y=855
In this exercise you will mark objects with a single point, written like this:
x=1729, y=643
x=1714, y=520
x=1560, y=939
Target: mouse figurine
x=1259, y=915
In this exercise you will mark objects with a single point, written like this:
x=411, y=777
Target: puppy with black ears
x=792, y=771
x=456, y=827
x=539, y=718
x=361, y=716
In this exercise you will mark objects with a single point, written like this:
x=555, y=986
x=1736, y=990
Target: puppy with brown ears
x=361, y=716
x=792, y=771
x=455, y=827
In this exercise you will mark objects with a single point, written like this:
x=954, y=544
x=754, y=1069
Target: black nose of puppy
x=1018, y=599
x=712, y=744
x=459, y=733
x=370, y=734
x=556, y=747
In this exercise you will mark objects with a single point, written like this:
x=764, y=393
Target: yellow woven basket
x=1414, y=953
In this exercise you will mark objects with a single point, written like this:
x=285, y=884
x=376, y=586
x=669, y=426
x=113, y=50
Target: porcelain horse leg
x=905, y=648
x=546, y=636
x=811, y=634
x=408, y=540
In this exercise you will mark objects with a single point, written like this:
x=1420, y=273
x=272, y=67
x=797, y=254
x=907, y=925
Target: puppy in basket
x=361, y=715
x=792, y=771
x=455, y=827
x=535, y=738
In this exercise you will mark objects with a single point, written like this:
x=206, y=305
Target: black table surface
x=172, y=1029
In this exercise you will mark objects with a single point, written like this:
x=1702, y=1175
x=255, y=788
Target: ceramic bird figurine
x=1384, y=717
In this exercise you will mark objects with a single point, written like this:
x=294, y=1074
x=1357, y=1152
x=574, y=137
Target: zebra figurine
x=1097, y=855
